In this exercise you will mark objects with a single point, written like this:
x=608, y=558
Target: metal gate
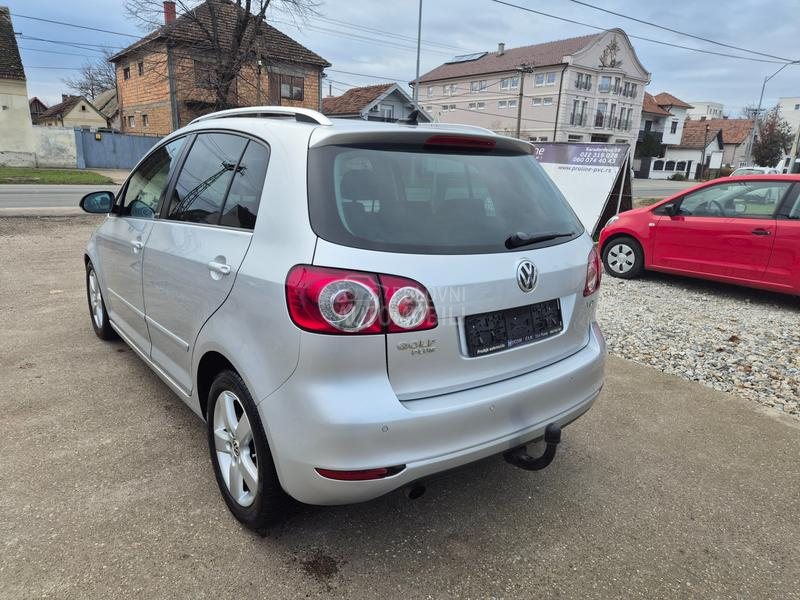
x=111, y=150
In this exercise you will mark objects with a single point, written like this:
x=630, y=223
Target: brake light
x=326, y=300
x=593, y=273
x=408, y=305
x=333, y=301
x=460, y=141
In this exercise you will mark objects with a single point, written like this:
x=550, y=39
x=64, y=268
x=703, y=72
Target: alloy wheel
x=96, y=300
x=235, y=448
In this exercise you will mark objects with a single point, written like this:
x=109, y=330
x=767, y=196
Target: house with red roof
x=582, y=89
x=384, y=102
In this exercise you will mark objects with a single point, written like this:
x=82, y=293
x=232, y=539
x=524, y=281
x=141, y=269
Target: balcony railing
x=658, y=135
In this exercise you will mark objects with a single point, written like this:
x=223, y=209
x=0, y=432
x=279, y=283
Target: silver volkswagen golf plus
x=351, y=306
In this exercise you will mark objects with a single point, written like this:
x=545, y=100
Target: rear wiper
x=520, y=239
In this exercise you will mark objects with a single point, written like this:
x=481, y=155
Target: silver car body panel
x=352, y=402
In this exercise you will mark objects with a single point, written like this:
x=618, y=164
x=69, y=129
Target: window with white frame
x=548, y=101
x=472, y=105
x=537, y=101
x=430, y=90
x=512, y=104
x=550, y=78
x=131, y=121
x=673, y=128
x=538, y=79
x=449, y=89
x=481, y=105
x=543, y=138
x=797, y=106
x=617, y=85
x=583, y=81
x=605, y=84
x=477, y=86
x=502, y=104
x=509, y=83
x=574, y=138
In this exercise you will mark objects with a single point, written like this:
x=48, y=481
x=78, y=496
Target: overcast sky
x=376, y=37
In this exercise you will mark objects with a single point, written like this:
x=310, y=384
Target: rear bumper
x=358, y=424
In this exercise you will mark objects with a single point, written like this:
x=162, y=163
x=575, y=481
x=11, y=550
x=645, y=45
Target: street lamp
x=758, y=110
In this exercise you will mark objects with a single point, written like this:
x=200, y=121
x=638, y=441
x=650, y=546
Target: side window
x=241, y=205
x=204, y=179
x=148, y=182
x=742, y=199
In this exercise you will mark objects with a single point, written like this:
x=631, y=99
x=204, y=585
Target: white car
x=351, y=306
x=755, y=171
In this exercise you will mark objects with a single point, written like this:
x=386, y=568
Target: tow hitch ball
x=519, y=456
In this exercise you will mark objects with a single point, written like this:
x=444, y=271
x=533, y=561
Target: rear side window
x=416, y=200
x=241, y=205
x=204, y=179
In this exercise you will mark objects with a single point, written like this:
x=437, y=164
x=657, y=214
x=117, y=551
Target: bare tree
x=226, y=33
x=96, y=76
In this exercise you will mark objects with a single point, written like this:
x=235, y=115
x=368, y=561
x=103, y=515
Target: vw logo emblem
x=526, y=276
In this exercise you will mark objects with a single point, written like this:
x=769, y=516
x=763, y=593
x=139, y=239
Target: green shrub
x=678, y=177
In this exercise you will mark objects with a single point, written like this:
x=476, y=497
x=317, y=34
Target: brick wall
x=145, y=94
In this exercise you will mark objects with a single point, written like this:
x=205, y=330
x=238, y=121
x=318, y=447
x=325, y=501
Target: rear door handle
x=218, y=267
x=760, y=231
x=137, y=245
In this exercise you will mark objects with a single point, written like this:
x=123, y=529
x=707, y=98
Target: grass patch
x=639, y=202
x=51, y=176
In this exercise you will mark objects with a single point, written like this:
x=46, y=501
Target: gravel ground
x=730, y=338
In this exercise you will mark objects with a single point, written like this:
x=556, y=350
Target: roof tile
x=353, y=100
x=665, y=99
x=549, y=53
x=649, y=105
x=10, y=60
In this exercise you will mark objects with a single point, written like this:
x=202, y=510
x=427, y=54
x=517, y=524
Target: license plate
x=502, y=329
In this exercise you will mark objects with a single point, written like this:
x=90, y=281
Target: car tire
x=623, y=257
x=241, y=457
x=97, y=306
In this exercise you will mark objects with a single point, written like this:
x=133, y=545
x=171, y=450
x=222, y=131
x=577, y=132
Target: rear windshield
x=421, y=201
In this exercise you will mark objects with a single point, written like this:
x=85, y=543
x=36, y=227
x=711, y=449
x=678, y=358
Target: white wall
x=679, y=115
x=16, y=139
x=709, y=110
x=55, y=147
x=789, y=112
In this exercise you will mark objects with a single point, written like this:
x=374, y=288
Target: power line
x=79, y=45
x=55, y=68
x=691, y=35
x=391, y=34
x=399, y=80
x=19, y=16
x=637, y=37
x=61, y=52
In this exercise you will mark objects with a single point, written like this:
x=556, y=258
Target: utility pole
x=522, y=70
x=419, y=43
x=703, y=160
x=758, y=110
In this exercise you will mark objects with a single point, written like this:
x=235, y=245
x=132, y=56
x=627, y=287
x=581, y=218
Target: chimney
x=65, y=97
x=169, y=11
x=501, y=49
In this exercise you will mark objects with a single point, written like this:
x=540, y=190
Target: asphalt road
x=665, y=489
x=45, y=199
x=658, y=188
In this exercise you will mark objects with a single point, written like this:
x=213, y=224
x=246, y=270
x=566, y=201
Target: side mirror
x=672, y=209
x=98, y=202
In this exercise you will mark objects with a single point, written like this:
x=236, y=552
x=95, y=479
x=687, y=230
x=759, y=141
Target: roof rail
x=456, y=127
x=302, y=115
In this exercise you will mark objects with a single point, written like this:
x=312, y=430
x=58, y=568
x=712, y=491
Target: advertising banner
x=594, y=178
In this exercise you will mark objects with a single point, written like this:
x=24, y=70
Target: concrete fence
x=67, y=148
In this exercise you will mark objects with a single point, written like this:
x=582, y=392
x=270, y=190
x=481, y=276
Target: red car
x=743, y=230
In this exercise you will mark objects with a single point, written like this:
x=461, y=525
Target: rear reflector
x=594, y=271
x=460, y=141
x=365, y=475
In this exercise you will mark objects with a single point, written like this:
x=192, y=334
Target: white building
x=584, y=89
x=790, y=110
x=16, y=141
x=702, y=110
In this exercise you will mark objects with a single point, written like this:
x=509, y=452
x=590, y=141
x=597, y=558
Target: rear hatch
x=462, y=217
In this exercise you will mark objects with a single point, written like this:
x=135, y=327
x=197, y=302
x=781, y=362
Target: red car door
x=723, y=231
x=783, y=271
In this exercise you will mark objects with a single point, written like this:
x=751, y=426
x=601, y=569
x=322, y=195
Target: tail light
x=325, y=300
x=593, y=273
x=461, y=141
